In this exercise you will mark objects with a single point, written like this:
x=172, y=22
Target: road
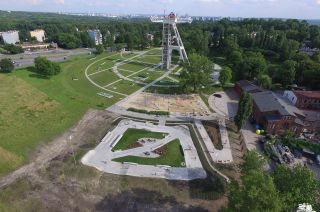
x=27, y=58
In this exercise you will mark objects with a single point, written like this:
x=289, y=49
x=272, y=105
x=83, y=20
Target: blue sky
x=304, y=9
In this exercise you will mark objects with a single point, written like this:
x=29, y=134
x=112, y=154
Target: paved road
x=58, y=55
x=101, y=157
x=227, y=107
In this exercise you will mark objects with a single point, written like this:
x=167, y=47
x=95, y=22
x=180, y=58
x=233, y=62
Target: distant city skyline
x=300, y=9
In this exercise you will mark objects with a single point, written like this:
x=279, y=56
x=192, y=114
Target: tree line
x=264, y=50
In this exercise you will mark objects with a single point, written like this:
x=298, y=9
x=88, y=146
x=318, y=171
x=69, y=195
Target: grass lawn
x=131, y=136
x=152, y=75
x=124, y=86
x=104, y=78
x=107, y=62
x=131, y=66
x=36, y=110
x=172, y=157
x=154, y=52
x=149, y=59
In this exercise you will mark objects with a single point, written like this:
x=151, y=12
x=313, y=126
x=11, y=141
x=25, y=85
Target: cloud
x=59, y=1
x=318, y=1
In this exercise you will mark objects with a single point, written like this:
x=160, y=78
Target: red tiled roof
x=308, y=94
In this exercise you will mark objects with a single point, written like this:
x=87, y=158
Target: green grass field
x=133, y=66
x=36, y=110
x=131, y=136
x=150, y=59
x=125, y=87
x=104, y=78
x=172, y=157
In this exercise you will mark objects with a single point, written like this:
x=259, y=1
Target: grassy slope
x=131, y=136
x=173, y=157
x=36, y=110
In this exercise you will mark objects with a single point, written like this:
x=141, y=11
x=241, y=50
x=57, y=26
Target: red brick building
x=276, y=114
x=246, y=86
x=308, y=99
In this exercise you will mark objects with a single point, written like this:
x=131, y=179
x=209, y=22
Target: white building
x=95, y=36
x=149, y=37
x=38, y=34
x=290, y=96
x=10, y=37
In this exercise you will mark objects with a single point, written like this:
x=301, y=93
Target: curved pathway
x=101, y=157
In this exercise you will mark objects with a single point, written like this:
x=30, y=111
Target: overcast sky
x=304, y=9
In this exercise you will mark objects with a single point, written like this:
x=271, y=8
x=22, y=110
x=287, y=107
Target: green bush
x=159, y=113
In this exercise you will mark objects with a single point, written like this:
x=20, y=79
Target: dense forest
x=256, y=49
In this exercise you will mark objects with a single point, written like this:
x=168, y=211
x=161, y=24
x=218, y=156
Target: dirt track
x=62, y=145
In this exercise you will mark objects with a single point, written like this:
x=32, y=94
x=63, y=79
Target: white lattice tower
x=171, y=39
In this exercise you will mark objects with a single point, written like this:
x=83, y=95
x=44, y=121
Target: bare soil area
x=56, y=180
x=171, y=103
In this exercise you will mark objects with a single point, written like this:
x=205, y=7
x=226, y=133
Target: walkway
x=217, y=156
x=101, y=157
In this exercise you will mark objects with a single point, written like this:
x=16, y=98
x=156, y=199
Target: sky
x=301, y=9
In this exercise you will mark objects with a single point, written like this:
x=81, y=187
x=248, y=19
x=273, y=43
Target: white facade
x=10, y=37
x=95, y=36
x=290, y=96
x=150, y=36
x=38, y=34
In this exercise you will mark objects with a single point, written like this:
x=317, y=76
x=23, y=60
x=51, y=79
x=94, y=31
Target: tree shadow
x=210, y=188
x=35, y=73
x=142, y=200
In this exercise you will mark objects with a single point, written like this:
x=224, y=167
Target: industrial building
x=95, y=36
x=277, y=113
x=10, y=37
x=39, y=34
x=304, y=99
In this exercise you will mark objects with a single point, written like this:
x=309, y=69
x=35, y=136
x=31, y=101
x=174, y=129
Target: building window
x=273, y=126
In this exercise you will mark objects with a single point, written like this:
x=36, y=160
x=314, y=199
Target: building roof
x=248, y=86
x=268, y=101
x=308, y=94
x=312, y=115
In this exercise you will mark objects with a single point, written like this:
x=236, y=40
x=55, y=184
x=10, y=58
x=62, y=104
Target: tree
x=252, y=66
x=297, y=185
x=225, y=76
x=257, y=191
x=68, y=41
x=99, y=49
x=264, y=81
x=46, y=68
x=235, y=57
x=287, y=72
x=6, y=66
x=13, y=49
x=244, y=110
x=197, y=72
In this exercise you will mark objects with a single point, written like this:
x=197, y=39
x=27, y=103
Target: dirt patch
x=170, y=103
x=212, y=129
x=161, y=150
x=133, y=146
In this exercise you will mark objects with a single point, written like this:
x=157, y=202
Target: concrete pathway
x=101, y=157
x=218, y=156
